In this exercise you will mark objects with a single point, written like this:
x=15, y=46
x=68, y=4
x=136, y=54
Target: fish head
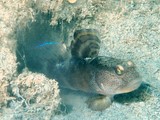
x=114, y=76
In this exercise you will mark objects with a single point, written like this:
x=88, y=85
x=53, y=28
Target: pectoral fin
x=99, y=103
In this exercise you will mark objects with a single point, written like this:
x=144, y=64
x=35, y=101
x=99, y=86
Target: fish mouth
x=130, y=87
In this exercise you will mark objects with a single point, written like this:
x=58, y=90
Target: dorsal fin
x=86, y=43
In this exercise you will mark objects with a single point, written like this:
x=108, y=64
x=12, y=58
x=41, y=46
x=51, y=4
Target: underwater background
x=129, y=29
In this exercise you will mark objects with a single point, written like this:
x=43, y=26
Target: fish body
x=98, y=77
x=79, y=67
x=98, y=74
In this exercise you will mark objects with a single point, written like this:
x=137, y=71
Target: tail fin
x=86, y=43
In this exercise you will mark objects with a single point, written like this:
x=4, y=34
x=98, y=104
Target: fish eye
x=119, y=70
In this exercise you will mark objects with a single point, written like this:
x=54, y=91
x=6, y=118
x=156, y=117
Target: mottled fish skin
x=110, y=81
x=100, y=77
